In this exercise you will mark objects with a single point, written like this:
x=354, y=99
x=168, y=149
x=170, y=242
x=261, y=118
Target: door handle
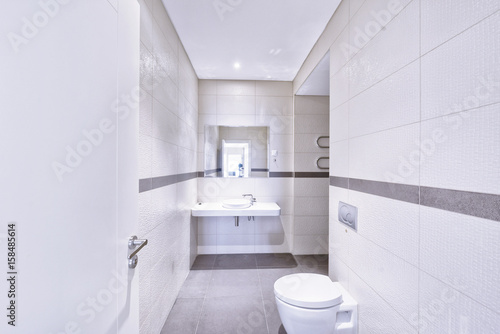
x=133, y=242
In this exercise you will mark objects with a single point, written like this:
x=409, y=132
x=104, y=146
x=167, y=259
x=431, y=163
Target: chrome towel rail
x=322, y=158
x=132, y=243
x=322, y=146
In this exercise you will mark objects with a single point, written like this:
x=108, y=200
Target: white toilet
x=312, y=303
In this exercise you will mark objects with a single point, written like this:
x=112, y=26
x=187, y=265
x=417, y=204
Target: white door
x=68, y=181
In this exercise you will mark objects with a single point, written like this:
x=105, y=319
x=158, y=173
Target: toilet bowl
x=312, y=303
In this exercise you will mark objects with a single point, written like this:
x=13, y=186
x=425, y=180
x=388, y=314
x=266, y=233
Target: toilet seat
x=308, y=290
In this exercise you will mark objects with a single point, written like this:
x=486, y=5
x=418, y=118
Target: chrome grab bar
x=132, y=243
x=322, y=158
x=322, y=146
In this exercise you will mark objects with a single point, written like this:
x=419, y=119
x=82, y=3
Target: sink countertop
x=217, y=210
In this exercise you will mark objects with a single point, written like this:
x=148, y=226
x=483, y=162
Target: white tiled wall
x=168, y=139
x=311, y=120
x=248, y=103
x=415, y=269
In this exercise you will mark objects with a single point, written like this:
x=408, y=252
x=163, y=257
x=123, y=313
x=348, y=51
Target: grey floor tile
x=184, y=317
x=276, y=260
x=196, y=284
x=230, y=315
x=203, y=262
x=235, y=282
x=269, y=276
x=272, y=315
x=235, y=261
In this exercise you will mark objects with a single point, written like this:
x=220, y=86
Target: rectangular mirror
x=236, y=151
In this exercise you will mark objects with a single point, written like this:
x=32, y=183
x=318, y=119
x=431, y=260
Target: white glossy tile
x=339, y=159
x=389, y=51
x=390, y=156
x=443, y=309
x=460, y=151
x=234, y=244
x=267, y=225
x=463, y=251
x=463, y=73
x=339, y=123
x=207, y=244
x=235, y=87
x=272, y=243
x=235, y=105
x=311, y=105
x=339, y=87
x=311, y=225
x=338, y=271
x=316, y=124
x=164, y=158
x=395, y=101
x=273, y=88
x=395, y=280
x=207, y=87
x=391, y=224
x=274, y=105
x=310, y=244
x=307, y=143
x=340, y=52
x=311, y=187
x=236, y=120
x=145, y=156
x=441, y=22
x=283, y=163
x=281, y=143
x=207, y=104
x=311, y=206
x=377, y=316
x=274, y=187
x=277, y=124
x=227, y=225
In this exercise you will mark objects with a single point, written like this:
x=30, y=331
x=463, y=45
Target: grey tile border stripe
x=311, y=174
x=162, y=181
x=469, y=203
x=401, y=192
x=341, y=182
x=280, y=174
x=260, y=170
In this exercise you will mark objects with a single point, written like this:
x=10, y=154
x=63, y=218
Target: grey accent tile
x=401, y=192
x=235, y=261
x=203, y=262
x=280, y=174
x=183, y=317
x=233, y=315
x=145, y=185
x=312, y=260
x=341, y=182
x=469, y=203
x=186, y=176
x=276, y=260
x=162, y=181
x=226, y=283
x=196, y=284
x=312, y=174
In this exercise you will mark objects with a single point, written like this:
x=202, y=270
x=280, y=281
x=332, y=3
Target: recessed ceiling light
x=237, y=65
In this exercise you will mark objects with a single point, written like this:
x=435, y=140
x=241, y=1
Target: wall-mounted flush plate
x=348, y=215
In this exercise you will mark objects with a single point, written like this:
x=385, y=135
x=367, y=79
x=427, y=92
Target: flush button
x=348, y=215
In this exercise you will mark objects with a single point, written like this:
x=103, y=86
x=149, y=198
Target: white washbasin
x=216, y=209
x=238, y=203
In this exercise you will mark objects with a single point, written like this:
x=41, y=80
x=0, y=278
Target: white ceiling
x=269, y=39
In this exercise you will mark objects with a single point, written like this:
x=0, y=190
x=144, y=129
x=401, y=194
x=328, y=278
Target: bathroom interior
x=394, y=109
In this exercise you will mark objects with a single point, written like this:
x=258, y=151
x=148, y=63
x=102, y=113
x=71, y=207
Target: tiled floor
x=233, y=294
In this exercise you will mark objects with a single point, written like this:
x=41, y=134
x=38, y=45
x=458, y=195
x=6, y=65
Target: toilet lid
x=307, y=290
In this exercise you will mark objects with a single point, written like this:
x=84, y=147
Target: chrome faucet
x=252, y=199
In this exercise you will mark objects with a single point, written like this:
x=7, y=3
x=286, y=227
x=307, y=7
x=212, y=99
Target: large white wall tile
x=463, y=252
x=463, y=73
x=234, y=87
x=391, y=155
x=317, y=124
x=235, y=105
x=273, y=88
x=375, y=314
x=339, y=123
x=311, y=105
x=443, y=309
x=274, y=105
x=395, y=101
x=441, y=22
x=460, y=151
x=389, y=51
x=339, y=159
x=389, y=223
